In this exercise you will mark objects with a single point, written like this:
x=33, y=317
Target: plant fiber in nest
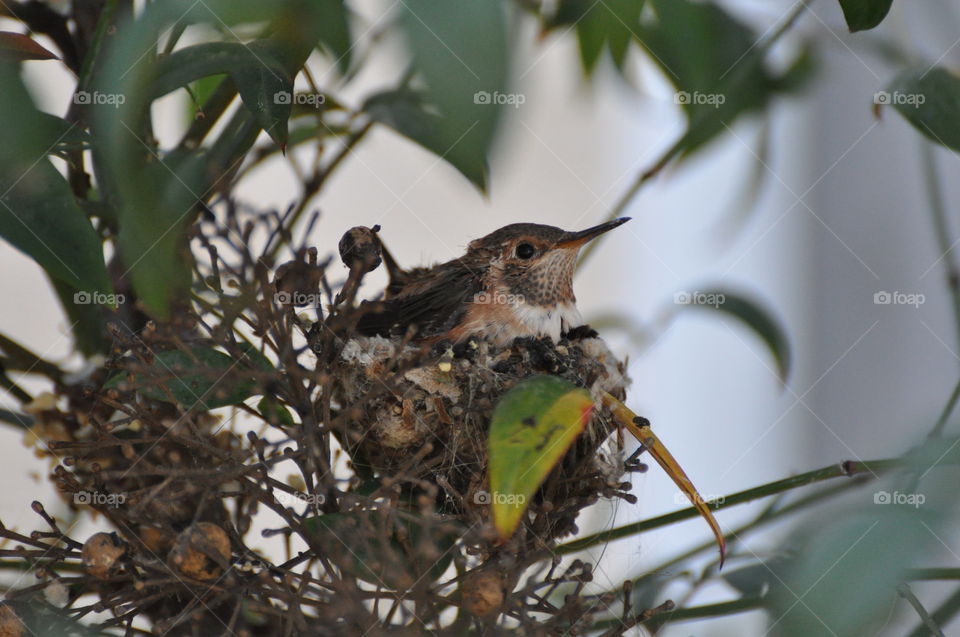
x=431, y=425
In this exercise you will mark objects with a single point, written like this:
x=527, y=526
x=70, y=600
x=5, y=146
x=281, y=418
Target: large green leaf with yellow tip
x=533, y=426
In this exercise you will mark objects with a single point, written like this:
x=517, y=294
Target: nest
x=431, y=426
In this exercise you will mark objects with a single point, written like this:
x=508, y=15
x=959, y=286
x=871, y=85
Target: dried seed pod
x=298, y=283
x=10, y=624
x=360, y=248
x=101, y=553
x=481, y=592
x=202, y=551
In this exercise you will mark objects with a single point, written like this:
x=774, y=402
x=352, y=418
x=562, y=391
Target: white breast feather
x=543, y=321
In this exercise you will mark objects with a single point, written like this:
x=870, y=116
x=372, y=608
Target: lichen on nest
x=432, y=423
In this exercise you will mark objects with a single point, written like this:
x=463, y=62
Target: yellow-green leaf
x=533, y=426
x=644, y=434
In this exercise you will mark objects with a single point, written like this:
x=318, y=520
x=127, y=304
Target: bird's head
x=535, y=261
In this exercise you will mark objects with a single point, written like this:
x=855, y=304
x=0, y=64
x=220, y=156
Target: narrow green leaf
x=714, y=62
x=87, y=320
x=335, y=31
x=157, y=195
x=460, y=49
x=38, y=212
x=203, y=377
x=58, y=133
x=405, y=112
x=257, y=69
x=860, y=551
x=533, y=426
x=200, y=91
x=753, y=580
x=612, y=24
x=623, y=26
x=254, y=358
x=591, y=35
x=930, y=100
x=152, y=237
x=864, y=14
x=751, y=313
x=275, y=413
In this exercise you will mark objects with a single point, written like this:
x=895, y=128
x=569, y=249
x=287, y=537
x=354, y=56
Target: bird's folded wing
x=433, y=305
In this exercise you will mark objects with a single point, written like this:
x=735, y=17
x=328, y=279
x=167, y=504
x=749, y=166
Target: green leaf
x=533, y=426
x=257, y=69
x=87, y=320
x=864, y=14
x=714, y=62
x=200, y=91
x=335, y=31
x=751, y=313
x=404, y=111
x=38, y=212
x=612, y=23
x=254, y=358
x=460, y=49
x=58, y=133
x=203, y=377
x=156, y=200
x=861, y=550
x=274, y=412
x=752, y=580
x=395, y=553
x=930, y=101
x=152, y=237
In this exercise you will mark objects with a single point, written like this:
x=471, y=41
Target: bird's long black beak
x=577, y=239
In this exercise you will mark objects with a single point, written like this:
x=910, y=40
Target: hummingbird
x=514, y=282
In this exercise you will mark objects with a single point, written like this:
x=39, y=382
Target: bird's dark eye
x=525, y=250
